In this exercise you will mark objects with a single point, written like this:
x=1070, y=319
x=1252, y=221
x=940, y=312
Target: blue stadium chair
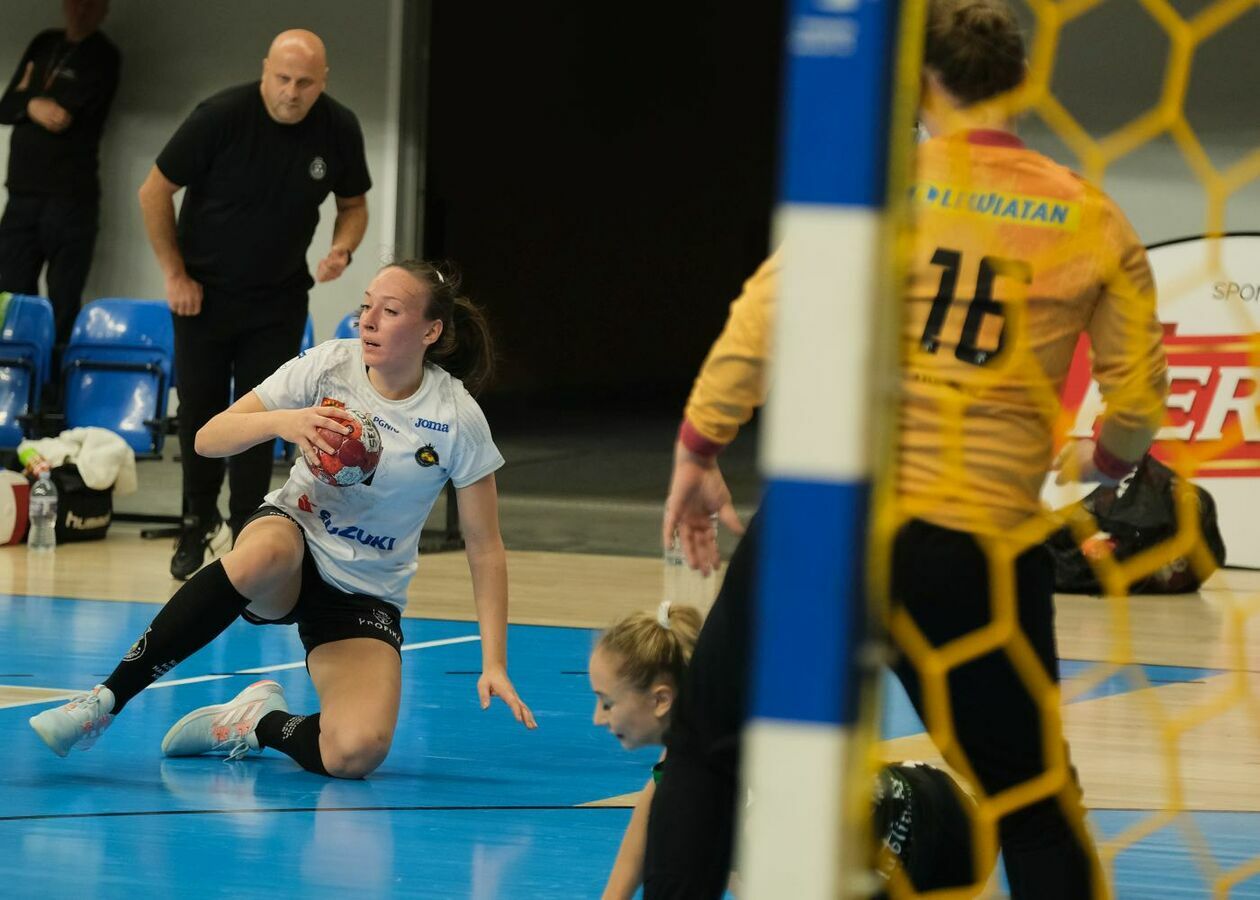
x=26, y=343
x=284, y=451
x=118, y=369
x=348, y=327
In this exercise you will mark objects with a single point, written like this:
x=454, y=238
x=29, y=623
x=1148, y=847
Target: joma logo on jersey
x=432, y=426
x=381, y=423
x=1212, y=400
x=355, y=533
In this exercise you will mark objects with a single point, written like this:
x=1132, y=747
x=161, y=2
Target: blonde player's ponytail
x=650, y=645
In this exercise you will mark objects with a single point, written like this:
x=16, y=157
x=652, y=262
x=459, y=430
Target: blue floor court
x=468, y=805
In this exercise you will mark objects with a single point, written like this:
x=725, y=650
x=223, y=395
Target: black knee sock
x=198, y=613
x=295, y=736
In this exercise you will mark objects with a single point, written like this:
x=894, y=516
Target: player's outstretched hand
x=495, y=683
x=300, y=427
x=697, y=495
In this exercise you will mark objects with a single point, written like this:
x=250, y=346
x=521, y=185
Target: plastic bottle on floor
x=43, y=514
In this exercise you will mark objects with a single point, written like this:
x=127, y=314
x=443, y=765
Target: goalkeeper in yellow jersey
x=1014, y=257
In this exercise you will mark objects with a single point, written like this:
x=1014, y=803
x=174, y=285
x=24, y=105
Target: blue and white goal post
x=851, y=72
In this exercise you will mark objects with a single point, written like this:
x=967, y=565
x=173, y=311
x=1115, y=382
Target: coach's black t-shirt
x=82, y=79
x=254, y=187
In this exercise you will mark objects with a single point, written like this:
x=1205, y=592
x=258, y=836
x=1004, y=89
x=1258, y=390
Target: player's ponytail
x=975, y=47
x=466, y=347
x=649, y=645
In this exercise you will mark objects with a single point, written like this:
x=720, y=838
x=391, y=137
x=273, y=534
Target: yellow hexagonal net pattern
x=1124, y=617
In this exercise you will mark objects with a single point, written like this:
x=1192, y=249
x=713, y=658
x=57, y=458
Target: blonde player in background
x=1014, y=258
x=635, y=671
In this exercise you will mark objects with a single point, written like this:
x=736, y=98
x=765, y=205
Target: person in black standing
x=256, y=161
x=57, y=102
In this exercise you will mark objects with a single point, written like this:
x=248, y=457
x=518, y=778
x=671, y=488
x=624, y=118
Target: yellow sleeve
x=732, y=381
x=1128, y=346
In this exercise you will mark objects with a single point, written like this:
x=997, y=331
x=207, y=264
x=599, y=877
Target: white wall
x=177, y=52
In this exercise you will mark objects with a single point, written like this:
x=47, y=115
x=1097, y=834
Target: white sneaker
x=225, y=727
x=77, y=724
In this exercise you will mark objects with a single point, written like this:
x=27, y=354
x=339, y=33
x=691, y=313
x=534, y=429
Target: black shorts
x=324, y=613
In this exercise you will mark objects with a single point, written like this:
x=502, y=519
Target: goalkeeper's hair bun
x=975, y=47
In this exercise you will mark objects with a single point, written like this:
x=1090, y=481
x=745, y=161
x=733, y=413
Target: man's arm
x=89, y=96
x=157, y=205
x=348, y=231
x=18, y=93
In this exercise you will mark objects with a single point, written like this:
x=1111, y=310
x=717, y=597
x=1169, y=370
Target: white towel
x=104, y=459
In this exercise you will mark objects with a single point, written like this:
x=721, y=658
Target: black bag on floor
x=1136, y=514
x=83, y=513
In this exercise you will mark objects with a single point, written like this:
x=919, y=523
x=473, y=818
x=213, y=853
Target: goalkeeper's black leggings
x=942, y=579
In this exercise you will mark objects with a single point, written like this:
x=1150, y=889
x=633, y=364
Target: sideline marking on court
x=423, y=645
x=258, y=670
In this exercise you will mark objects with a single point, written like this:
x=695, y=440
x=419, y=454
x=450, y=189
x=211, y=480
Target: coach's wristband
x=696, y=442
x=1111, y=465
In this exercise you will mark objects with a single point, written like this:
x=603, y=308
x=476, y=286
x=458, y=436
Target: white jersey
x=365, y=537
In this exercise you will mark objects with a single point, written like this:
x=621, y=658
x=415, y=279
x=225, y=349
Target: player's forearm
x=349, y=227
x=230, y=432
x=487, y=563
x=158, y=210
x=627, y=870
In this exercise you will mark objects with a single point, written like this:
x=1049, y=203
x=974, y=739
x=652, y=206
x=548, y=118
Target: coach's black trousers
x=221, y=355
x=941, y=578
x=59, y=231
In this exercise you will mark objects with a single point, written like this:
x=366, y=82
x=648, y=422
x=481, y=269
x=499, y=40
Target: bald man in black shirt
x=56, y=102
x=256, y=161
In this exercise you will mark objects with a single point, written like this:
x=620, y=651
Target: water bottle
x=43, y=514
x=683, y=584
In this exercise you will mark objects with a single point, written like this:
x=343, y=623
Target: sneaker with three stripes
x=225, y=727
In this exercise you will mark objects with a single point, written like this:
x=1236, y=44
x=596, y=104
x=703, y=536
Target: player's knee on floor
x=352, y=751
x=923, y=825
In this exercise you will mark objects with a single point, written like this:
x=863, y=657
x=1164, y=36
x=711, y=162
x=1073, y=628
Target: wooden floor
x=1191, y=741
x=567, y=589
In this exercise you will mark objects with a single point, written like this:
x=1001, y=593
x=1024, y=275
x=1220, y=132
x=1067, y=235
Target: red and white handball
x=356, y=456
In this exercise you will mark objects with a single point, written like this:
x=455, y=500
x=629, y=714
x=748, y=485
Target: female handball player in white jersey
x=337, y=560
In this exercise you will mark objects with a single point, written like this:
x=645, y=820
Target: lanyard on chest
x=58, y=62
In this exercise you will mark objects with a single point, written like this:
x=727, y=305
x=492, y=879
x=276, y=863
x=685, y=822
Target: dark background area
x=604, y=178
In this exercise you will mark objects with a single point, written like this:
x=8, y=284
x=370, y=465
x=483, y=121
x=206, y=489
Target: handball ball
x=356, y=456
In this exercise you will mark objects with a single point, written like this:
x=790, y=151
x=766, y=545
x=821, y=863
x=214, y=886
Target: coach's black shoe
x=922, y=824
x=194, y=541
